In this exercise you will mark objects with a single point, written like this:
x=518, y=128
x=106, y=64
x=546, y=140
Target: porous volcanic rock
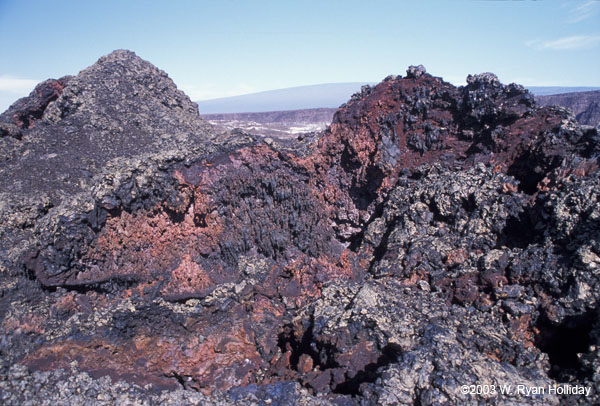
x=432, y=237
x=25, y=112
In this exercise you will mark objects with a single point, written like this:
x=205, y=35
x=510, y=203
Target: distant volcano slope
x=432, y=237
x=585, y=105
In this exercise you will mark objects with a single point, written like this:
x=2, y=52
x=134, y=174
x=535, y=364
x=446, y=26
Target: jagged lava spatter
x=432, y=236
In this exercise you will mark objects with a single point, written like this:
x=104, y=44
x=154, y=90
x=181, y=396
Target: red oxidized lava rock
x=428, y=222
x=245, y=202
x=398, y=124
x=160, y=346
x=23, y=114
x=247, y=218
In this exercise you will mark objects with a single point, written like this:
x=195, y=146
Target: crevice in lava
x=437, y=214
x=469, y=204
x=349, y=161
x=564, y=342
x=382, y=248
x=356, y=239
x=519, y=231
x=522, y=171
x=363, y=193
x=372, y=371
x=115, y=284
x=176, y=217
x=181, y=381
x=322, y=355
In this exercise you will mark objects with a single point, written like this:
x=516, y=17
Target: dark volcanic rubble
x=432, y=237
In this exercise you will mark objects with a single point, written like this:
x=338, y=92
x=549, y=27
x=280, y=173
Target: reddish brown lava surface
x=301, y=218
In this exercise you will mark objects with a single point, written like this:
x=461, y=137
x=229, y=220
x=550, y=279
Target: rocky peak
x=122, y=106
x=485, y=98
x=119, y=81
x=415, y=72
x=486, y=78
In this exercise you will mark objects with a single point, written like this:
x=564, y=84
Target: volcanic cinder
x=431, y=237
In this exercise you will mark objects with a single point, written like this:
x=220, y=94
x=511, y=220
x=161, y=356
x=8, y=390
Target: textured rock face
x=431, y=237
x=121, y=107
x=585, y=105
x=25, y=112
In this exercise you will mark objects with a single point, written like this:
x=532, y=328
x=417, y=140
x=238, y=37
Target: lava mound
x=431, y=237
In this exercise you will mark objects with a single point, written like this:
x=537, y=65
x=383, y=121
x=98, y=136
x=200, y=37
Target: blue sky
x=222, y=48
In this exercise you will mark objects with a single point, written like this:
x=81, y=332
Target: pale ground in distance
x=278, y=130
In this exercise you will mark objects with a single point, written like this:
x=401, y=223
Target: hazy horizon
x=325, y=95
